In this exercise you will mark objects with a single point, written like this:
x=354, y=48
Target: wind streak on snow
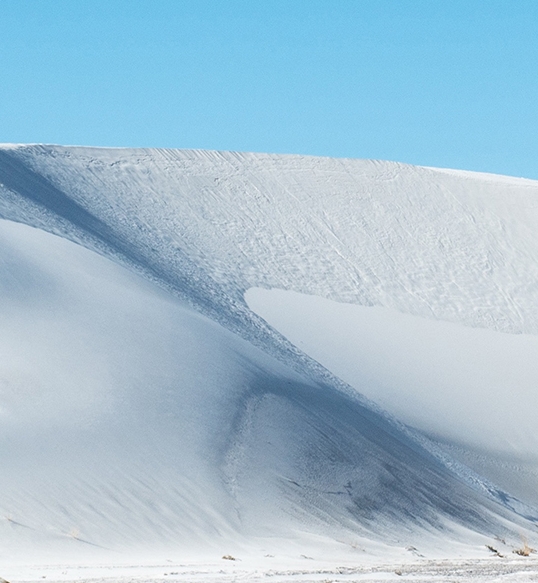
x=190, y=282
x=20, y=179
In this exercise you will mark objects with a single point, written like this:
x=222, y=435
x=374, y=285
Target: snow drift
x=146, y=407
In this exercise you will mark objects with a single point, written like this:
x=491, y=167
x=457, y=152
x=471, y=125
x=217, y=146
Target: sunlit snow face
x=83, y=341
x=64, y=313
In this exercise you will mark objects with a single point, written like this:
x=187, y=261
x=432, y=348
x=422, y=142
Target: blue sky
x=432, y=82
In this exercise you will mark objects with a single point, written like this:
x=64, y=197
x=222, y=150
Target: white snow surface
x=307, y=570
x=148, y=411
x=471, y=390
x=447, y=245
x=131, y=424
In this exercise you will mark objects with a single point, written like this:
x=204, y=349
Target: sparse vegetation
x=525, y=550
x=493, y=550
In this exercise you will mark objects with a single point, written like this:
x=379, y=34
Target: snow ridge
x=284, y=445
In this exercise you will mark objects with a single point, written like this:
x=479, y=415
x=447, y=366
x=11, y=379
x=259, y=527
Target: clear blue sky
x=435, y=82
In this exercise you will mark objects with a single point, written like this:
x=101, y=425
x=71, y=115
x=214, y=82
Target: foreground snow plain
x=307, y=571
x=152, y=414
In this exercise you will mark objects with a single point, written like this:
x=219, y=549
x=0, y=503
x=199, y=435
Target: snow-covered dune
x=145, y=406
x=129, y=422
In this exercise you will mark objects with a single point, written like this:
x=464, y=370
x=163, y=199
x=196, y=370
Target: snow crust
x=146, y=408
x=455, y=246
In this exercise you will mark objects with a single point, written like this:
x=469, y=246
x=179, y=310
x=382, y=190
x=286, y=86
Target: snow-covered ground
x=305, y=571
x=160, y=405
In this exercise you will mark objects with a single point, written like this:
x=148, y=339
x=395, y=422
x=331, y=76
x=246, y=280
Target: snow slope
x=146, y=406
x=130, y=423
x=471, y=390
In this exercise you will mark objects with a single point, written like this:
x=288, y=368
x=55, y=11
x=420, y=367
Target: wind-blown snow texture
x=131, y=421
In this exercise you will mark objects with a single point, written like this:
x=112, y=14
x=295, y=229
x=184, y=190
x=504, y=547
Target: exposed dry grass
x=525, y=550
